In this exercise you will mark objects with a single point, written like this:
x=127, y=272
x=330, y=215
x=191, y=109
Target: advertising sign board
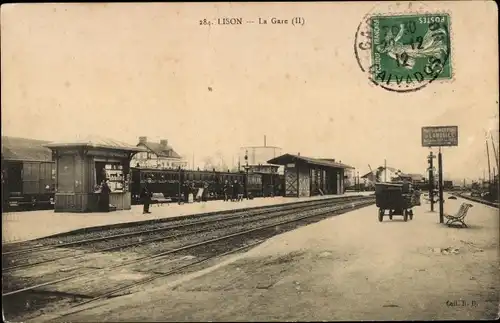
x=439, y=136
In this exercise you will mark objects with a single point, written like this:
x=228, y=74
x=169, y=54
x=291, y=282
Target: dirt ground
x=349, y=267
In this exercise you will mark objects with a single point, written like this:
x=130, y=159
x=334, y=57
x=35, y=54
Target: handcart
x=395, y=198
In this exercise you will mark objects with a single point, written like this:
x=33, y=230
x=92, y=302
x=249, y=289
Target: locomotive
x=172, y=182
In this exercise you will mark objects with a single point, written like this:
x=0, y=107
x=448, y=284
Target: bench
x=159, y=199
x=459, y=217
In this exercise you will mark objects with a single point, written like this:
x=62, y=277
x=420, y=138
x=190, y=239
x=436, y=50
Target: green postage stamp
x=410, y=47
x=405, y=52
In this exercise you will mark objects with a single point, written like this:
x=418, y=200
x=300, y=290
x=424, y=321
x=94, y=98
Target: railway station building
x=306, y=176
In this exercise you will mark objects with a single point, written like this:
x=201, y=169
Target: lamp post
x=272, y=182
x=246, y=173
x=179, y=188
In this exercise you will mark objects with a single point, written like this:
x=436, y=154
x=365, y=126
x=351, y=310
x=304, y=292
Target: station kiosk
x=83, y=165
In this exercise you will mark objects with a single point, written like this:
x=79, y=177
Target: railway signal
x=246, y=174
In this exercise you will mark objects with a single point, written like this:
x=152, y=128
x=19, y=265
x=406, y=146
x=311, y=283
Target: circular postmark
x=403, y=47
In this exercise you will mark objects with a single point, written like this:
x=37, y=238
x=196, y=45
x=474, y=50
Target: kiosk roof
x=95, y=142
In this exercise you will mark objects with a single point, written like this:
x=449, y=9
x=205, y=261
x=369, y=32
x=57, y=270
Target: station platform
x=348, y=267
x=22, y=226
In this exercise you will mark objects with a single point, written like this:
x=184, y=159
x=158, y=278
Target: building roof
x=14, y=148
x=381, y=168
x=95, y=142
x=289, y=158
x=159, y=150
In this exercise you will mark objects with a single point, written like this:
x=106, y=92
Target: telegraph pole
x=385, y=170
x=430, y=159
x=495, y=152
x=489, y=167
x=440, y=165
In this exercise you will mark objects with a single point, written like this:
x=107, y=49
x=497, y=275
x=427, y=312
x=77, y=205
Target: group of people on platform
x=233, y=192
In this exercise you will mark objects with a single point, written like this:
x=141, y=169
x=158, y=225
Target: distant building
x=258, y=157
x=158, y=155
x=447, y=185
x=413, y=178
x=381, y=174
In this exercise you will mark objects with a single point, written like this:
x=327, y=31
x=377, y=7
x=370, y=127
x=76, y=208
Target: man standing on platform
x=146, y=198
x=226, y=189
x=104, y=196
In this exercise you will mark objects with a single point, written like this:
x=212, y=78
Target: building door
x=291, y=182
x=14, y=178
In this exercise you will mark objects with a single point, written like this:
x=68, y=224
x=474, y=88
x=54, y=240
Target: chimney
x=142, y=140
x=298, y=154
x=164, y=143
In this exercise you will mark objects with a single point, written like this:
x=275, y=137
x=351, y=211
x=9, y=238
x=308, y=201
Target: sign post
x=441, y=136
x=430, y=159
x=441, y=201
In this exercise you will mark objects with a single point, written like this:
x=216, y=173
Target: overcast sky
x=128, y=70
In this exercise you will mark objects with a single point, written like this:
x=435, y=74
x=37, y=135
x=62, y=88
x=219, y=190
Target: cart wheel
x=380, y=215
x=405, y=215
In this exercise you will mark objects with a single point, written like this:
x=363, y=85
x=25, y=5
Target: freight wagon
x=28, y=174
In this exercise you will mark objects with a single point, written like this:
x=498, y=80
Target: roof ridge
x=155, y=147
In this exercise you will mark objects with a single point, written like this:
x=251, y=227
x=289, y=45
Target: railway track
x=131, y=227
x=59, y=251
x=134, y=235
x=477, y=200
x=156, y=263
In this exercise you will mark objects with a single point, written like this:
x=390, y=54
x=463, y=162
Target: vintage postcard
x=250, y=161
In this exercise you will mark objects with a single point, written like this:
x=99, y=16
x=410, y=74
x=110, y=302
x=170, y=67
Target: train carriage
x=28, y=174
x=173, y=183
